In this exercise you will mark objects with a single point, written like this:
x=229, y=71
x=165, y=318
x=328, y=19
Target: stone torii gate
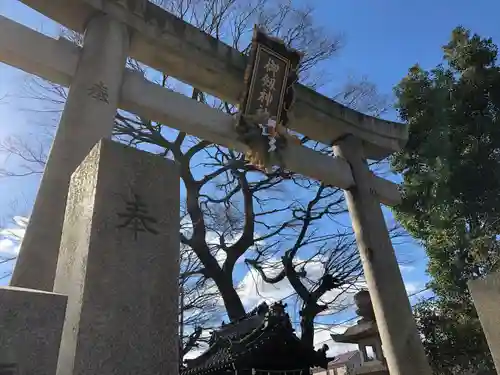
x=99, y=83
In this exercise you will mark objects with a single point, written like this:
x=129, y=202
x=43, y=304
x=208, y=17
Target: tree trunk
x=232, y=301
x=307, y=328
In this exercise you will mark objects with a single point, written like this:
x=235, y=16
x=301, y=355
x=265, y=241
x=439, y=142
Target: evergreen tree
x=451, y=191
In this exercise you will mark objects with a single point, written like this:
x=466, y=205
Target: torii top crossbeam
x=166, y=43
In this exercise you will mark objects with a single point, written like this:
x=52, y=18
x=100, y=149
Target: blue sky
x=383, y=39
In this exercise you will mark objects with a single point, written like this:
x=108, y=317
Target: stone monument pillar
x=486, y=296
x=31, y=324
x=119, y=265
x=88, y=116
x=402, y=345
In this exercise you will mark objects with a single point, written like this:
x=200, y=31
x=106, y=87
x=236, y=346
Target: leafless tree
x=279, y=224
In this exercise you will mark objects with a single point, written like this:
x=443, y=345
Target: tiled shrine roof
x=262, y=339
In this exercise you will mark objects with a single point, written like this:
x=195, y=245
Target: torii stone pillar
x=401, y=343
x=88, y=116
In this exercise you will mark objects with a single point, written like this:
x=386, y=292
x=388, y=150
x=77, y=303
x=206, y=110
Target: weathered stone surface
x=486, y=296
x=374, y=368
x=88, y=116
x=123, y=284
x=31, y=323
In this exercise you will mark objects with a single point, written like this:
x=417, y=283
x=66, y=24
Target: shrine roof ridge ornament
x=167, y=43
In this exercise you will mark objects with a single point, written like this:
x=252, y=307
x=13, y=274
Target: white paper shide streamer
x=271, y=124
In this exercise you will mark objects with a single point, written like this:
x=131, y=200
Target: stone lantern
x=365, y=334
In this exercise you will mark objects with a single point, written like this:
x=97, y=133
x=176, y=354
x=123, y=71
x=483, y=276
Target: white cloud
x=253, y=290
x=411, y=287
x=16, y=233
x=10, y=238
x=203, y=346
x=8, y=247
x=414, y=286
x=405, y=268
x=322, y=336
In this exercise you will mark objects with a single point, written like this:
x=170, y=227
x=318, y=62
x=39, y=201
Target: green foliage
x=454, y=342
x=451, y=189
